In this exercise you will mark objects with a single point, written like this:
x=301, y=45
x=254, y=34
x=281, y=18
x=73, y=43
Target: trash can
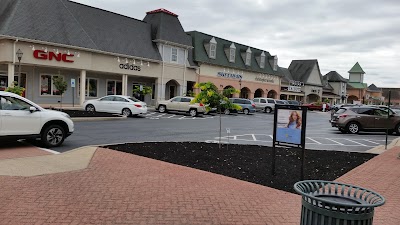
x=333, y=203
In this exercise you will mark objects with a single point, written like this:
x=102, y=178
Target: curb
x=81, y=119
x=381, y=148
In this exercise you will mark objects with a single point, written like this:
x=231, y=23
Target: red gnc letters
x=40, y=54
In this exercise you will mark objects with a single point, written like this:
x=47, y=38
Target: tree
x=15, y=89
x=145, y=91
x=211, y=97
x=61, y=85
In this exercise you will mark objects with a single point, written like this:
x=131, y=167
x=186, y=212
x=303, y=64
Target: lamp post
x=19, y=56
x=240, y=88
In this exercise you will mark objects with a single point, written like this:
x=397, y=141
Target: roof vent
x=162, y=11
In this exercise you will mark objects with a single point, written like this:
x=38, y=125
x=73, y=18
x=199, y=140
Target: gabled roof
x=165, y=26
x=374, y=88
x=357, y=85
x=301, y=69
x=70, y=23
x=287, y=77
x=356, y=69
x=334, y=76
x=200, y=54
x=327, y=86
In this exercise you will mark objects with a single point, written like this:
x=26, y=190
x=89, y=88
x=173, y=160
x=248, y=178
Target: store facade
x=114, y=64
x=228, y=64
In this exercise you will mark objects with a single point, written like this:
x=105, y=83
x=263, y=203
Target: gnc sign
x=40, y=54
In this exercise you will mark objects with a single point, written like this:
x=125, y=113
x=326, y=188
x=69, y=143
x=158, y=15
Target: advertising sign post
x=73, y=91
x=289, y=130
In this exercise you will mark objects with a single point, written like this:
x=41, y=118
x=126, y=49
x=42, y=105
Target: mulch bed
x=250, y=162
x=82, y=113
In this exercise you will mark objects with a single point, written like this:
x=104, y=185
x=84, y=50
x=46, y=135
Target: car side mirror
x=32, y=109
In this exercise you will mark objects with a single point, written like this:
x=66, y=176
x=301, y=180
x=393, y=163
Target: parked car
x=293, y=102
x=280, y=102
x=181, y=104
x=265, y=104
x=125, y=105
x=23, y=119
x=317, y=106
x=365, y=118
x=247, y=105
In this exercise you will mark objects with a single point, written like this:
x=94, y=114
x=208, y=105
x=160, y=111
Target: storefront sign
x=294, y=89
x=40, y=54
x=265, y=78
x=296, y=83
x=129, y=67
x=229, y=75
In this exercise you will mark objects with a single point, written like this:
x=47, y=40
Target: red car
x=317, y=106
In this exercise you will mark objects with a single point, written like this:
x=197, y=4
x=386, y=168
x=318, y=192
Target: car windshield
x=133, y=99
x=340, y=111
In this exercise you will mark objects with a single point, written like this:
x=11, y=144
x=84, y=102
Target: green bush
x=15, y=89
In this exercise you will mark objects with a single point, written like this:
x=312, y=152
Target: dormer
x=248, y=57
x=273, y=61
x=261, y=60
x=211, y=48
x=231, y=53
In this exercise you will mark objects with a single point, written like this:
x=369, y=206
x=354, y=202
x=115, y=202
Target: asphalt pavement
x=256, y=129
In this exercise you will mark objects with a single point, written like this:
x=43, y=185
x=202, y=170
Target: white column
x=11, y=72
x=124, y=84
x=83, y=87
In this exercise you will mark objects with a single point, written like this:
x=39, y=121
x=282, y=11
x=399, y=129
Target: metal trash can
x=332, y=203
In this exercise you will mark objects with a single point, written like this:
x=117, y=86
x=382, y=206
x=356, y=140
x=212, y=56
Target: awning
x=292, y=93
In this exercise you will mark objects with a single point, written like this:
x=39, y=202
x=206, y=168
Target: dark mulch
x=251, y=163
x=82, y=113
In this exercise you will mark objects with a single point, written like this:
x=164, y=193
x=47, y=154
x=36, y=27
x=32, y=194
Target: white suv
x=265, y=104
x=23, y=119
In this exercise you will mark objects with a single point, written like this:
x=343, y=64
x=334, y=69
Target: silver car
x=181, y=104
x=265, y=104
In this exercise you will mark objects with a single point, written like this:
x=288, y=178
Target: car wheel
x=53, y=136
x=126, y=112
x=268, y=110
x=398, y=129
x=227, y=112
x=193, y=112
x=90, y=108
x=353, y=128
x=246, y=111
x=162, y=109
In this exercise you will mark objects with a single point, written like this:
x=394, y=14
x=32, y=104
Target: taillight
x=343, y=116
x=201, y=104
x=137, y=105
x=253, y=105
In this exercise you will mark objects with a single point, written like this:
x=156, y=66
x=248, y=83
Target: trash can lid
x=338, y=194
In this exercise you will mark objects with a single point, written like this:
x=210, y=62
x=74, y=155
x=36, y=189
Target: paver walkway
x=12, y=150
x=120, y=188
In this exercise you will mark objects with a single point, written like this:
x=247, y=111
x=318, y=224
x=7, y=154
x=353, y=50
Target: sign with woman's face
x=289, y=125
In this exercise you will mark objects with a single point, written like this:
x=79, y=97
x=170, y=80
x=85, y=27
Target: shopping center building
x=111, y=53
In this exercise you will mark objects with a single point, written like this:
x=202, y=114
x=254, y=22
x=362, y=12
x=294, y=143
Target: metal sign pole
x=73, y=92
x=273, y=141
x=388, y=118
x=303, y=140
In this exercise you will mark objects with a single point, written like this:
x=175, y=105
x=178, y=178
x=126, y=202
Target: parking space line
x=254, y=137
x=334, y=141
x=170, y=116
x=150, y=113
x=271, y=136
x=314, y=141
x=371, y=142
x=356, y=142
x=183, y=117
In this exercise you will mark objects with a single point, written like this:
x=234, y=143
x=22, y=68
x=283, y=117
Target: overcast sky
x=338, y=33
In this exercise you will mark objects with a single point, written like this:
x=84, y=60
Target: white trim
x=213, y=53
x=52, y=85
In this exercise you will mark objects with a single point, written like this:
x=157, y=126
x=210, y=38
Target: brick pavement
x=9, y=150
x=120, y=188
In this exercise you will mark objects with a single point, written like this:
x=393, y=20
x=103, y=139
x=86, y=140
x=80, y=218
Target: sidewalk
x=120, y=188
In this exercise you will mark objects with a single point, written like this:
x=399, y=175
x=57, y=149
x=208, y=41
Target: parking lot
x=255, y=129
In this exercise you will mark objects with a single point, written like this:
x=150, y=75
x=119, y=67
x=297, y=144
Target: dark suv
x=365, y=118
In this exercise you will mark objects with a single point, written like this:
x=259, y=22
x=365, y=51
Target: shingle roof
x=75, y=24
x=301, y=69
x=357, y=85
x=356, y=69
x=327, y=86
x=374, y=88
x=287, y=77
x=200, y=54
x=334, y=76
x=166, y=26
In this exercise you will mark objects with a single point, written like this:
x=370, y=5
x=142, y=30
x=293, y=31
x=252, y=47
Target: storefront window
x=46, y=85
x=3, y=82
x=91, y=87
x=114, y=87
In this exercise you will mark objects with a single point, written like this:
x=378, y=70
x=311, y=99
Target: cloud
x=338, y=33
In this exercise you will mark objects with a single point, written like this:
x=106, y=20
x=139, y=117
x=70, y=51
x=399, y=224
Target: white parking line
x=355, y=142
x=371, y=142
x=148, y=114
x=334, y=141
x=254, y=137
x=314, y=140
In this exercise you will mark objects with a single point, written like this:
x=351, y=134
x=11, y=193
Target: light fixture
x=126, y=60
x=134, y=61
x=148, y=64
x=118, y=59
x=68, y=52
x=141, y=62
x=224, y=70
x=33, y=48
x=45, y=49
x=19, y=54
x=57, y=51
